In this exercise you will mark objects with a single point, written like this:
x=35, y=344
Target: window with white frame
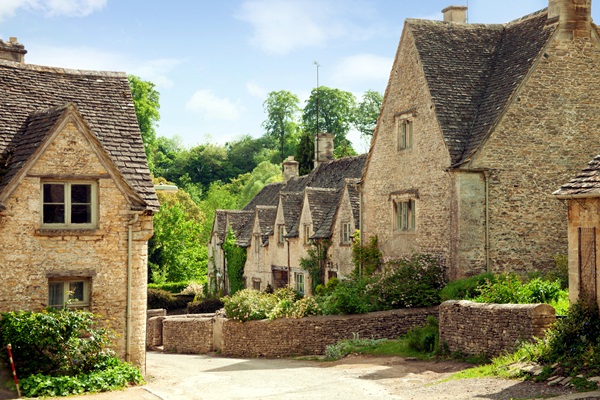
x=307, y=233
x=280, y=234
x=299, y=280
x=346, y=233
x=405, y=134
x=72, y=293
x=69, y=204
x=404, y=215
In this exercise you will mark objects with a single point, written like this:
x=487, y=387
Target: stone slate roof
x=323, y=205
x=268, y=196
x=220, y=225
x=241, y=224
x=102, y=98
x=266, y=218
x=291, y=204
x=472, y=70
x=586, y=183
x=354, y=194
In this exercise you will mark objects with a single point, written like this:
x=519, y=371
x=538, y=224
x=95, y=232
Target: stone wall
x=479, y=328
x=193, y=335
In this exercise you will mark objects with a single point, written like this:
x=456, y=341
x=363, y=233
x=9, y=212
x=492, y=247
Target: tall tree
x=146, y=103
x=367, y=112
x=335, y=115
x=305, y=153
x=282, y=109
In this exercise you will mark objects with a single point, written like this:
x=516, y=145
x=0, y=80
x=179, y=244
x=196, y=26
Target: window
x=256, y=284
x=299, y=278
x=346, y=235
x=404, y=215
x=69, y=205
x=69, y=293
x=405, y=134
x=280, y=234
x=307, y=234
x=257, y=245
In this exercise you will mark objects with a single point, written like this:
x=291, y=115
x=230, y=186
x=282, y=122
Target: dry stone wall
x=480, y=328
x=188, y=335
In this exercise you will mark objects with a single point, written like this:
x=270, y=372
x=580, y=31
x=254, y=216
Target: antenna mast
x=317, y=112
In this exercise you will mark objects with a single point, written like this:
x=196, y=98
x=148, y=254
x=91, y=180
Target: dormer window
x=71, y=205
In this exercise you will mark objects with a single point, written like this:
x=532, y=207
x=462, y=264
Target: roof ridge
x=527, y=16
x=61, y=70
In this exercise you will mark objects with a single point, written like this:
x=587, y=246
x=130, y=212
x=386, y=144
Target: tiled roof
x=291, y=204
x=268, y=196
x=354, y=194
x=586, y=183
x=472, y=70
x=332, y=174
x=266, y=219
x=104, y=101
x=241, y=224
x=323, y=206
x=220, y=225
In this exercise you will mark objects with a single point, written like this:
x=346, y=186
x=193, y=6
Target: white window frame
x=346, y=234
x=299, y=282
x=68, y=302
x=405, y=214
x=68, y=204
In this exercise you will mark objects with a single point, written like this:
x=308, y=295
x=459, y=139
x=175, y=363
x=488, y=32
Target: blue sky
x=214, y=61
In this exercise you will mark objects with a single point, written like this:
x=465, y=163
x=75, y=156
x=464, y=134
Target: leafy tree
x=146, y=102
x=367, y=112
x=305, y=153
x=336, y=110
x=177, y=251
x=264, y=173
x=244, y=154
x=164, y=153
x=282, y=109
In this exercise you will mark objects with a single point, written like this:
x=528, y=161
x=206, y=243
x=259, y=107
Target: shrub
x=414, y=281
x=162, y=299
x=171, y=287
x=510, y=288
x=249, y=304
x=301, y=308
x=204, y=306
x=424, y=339
x=367, y=258
x=464, y=289
x=345, y=347
x=347, y=297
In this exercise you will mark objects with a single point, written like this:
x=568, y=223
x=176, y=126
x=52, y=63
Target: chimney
x=456, y=14
x=12, y=50
x=574, y=17
x=290, y=168
x=323, y=148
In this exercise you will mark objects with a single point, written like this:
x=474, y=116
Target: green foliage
x=282, y=109
x=305, y=153
x=314, y=263
x=367, y=258
x=424, y=339
x=205, y=306
x=235, y=257
x=367, y=112
x=146, y=103
x=414, y=281
x=171, y=287
x=465, y=289
x=344, y=347
x=55, y=342
x=158, y=298
x=560, y=271
x=510, y=288
x=347, y=297
x=249, y=305
x=114, y=375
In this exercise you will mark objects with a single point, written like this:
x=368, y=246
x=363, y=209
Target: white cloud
x=256, y=90
x=156, y=71
x=283, y=26
x=211, y=107
x=70, y=8
x=362, y=67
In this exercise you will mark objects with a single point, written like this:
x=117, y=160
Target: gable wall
x=549, y=133
x=341, y=254
x=422, y=168
x=27, y=254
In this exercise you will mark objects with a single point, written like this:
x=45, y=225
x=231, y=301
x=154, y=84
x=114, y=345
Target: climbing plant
x=314, y=263
x=366, y=258
x=235, y=257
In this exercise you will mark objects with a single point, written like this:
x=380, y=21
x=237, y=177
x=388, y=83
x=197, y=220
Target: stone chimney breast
x=456, y=14
x=12, y=50
x=323, y=148
x=290, y=168
x=574, y=17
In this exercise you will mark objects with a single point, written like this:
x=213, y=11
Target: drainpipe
x=486, y=177
x=288, y=262
x=129, y=279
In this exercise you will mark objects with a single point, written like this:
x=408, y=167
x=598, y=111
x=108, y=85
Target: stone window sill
x=70, y=232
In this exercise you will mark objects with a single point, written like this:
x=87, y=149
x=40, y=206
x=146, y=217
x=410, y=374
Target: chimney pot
x=13, y=39
x=12, y=50
x=456, y=14
x=290, y=168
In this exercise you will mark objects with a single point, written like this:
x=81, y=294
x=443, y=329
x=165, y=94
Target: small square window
x=69, y=205
x=256, y=285
x=69, y=293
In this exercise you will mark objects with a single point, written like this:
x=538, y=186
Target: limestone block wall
x=188, y=335
x=479, y=328
x=154, y=327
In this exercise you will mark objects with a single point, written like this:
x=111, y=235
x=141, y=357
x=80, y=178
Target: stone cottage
x=478, y=124
x=286, y=219
x=76, y=198
x=582, y=197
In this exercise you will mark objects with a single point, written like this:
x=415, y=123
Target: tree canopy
x=146, y=101
x=282, y=109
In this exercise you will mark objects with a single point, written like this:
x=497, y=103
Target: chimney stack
x=456, y=14
x=323, y=148
x=290, y=168
x=12, y=50
x=574, y=17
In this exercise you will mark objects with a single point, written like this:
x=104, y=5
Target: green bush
x=510, y=288
x=162, y=299
x=414, y=281
x=347, y=297
x=465, y=289
x=204, y=306
x=171, y=287
x=249, y=304
x=424, y=339
x=345, y=347
x=285, y=308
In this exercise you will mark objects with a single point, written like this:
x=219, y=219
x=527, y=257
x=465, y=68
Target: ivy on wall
x=235, y=257
x=315, y=262
x=367, y=258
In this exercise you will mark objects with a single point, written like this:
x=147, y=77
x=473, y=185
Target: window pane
x=54, y=214
x=76, y=291
x=81, y=214
x=54, y=193
x=81, y=194
x=55, y=295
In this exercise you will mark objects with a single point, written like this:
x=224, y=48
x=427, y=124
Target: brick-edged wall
x=479, y=328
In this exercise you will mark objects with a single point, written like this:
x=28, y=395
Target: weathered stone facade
x=490, y=329
x=188, y=335
x=487, y=147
